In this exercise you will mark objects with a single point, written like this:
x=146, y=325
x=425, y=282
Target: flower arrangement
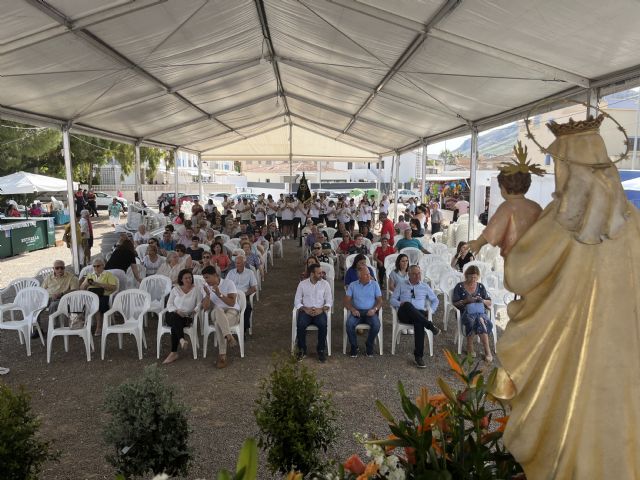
x=449, y=435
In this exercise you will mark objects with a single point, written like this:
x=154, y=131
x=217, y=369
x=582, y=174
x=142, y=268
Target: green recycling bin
x=25, y=235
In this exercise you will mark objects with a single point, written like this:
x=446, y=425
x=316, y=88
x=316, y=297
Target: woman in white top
x=300, y=219
x=261, y=213
x=331, y=214
x=184, y=302
x=287, y=213
x=152, y=261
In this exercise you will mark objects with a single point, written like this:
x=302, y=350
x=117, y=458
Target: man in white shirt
x=246, y=282
x=312, y=302
x=220, y=296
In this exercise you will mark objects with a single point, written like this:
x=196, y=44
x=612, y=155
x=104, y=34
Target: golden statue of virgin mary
x=572, y=345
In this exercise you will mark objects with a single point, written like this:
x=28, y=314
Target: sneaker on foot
x=435, y=330
x=354, y=352
x=300, y=355
x=420, y=362
x=370, y=352
x=322, y=357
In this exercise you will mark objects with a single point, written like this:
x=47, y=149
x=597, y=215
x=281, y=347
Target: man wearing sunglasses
x=414, y=299
x=57, y=284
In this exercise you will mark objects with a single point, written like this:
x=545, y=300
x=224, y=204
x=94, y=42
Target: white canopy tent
x=381, y=76
x=20, y=183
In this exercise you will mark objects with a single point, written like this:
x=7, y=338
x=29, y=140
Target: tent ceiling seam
x=474, y=46
x=264, y=25
x=106, y=49
x=441, y=14
x=81, y=22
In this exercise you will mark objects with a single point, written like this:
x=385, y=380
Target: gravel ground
x=69, y=392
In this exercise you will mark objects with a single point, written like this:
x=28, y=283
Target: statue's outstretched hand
x=476, y=245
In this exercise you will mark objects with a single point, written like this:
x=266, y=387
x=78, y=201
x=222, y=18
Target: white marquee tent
x=377, y=75
x=20, y=183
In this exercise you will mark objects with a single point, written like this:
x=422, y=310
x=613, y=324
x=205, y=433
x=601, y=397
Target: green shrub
x=148, y=429
x=295, y=418
x=22, y=453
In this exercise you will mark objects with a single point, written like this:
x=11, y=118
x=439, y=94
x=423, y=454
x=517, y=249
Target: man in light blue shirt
x=412, y=299
x=407, y=241
x=363, y=301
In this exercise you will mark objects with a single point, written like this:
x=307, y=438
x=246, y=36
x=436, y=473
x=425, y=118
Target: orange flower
x=354, y=464
x=438, y=400
x=370, y=470
x=431, y=421
x=455, y=366
x=423, y=400
x=436, y=446
x=294, y=476
x=503, y=423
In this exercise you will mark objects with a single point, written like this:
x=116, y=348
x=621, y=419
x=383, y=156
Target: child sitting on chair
x=517, y=213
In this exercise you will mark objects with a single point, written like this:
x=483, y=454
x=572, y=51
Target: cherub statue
x=517, y=213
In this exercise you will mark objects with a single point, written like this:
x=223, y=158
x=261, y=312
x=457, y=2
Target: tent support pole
x=635, y=138
x=290, y=157
x=395, y=183
x=175, y=177
x=379, y=176
x=70, y=199
x=200, y=186
x=138, y=173
x=423, y=169
x=592, y=101
x=319, y=175
x=473, y=204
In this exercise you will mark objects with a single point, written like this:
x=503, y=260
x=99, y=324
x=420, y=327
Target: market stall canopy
x=21, y=183
x=378, y=75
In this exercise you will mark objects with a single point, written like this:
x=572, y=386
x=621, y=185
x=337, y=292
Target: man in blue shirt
x=407, y=241
x=363, y=301
x=412, y=298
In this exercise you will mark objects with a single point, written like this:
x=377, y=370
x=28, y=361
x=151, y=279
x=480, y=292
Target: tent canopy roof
x=20, y=183
x=375, y=75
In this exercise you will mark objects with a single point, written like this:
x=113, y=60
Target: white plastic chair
x=225, y=237
x=84, y=272
x=15, y=286
x=159, y=287
x=446, y=284
x=330, y=232
x=414, y=255
x=132, y=305
x=205, y=247
x=294, y=332
x=335, y=242
x=492, y=281
x=500, y=298
x=389, y=266
x=427, y=260
x=398, y=329
x=141, y=250
x=43, y=273
x=439, y=249
x=258, y=278
x=360, y=326
x=437, y=237
x=433, y=273
x=208, y=327
x=330, y=275
x=73, y=302
x=30, y=301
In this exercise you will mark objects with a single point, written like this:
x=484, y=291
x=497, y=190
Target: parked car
x=103, y=200
x=238, y=197
x=405, y=195
x=184, y=197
